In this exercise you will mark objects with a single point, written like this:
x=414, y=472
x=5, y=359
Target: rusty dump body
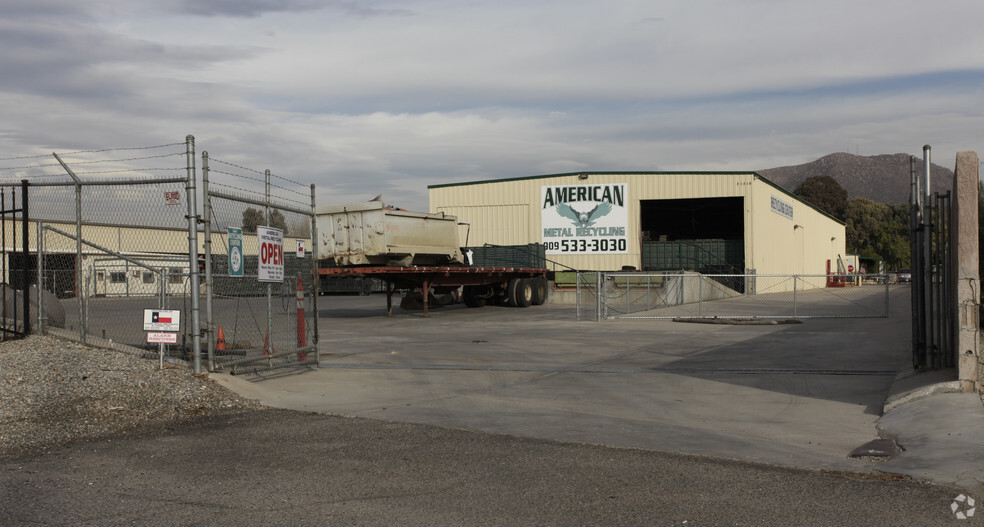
x=369, y=234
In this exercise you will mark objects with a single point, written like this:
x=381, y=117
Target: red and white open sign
x=271, y=245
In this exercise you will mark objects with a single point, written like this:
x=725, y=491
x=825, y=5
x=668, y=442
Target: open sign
x=271, y=258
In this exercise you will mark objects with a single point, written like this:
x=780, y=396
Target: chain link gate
x=255, y=325
x=933, y=283
x=15, y=289
x=106, y=221
x=690, y=295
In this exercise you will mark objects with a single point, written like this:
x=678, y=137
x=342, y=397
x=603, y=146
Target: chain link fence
x=258, y=320
x=110, y=238
x=603, y=296
x=118, y=238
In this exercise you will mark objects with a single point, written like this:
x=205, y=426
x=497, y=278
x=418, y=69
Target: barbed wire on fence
x=101, y=165
x=306, y=192
x=125, y=148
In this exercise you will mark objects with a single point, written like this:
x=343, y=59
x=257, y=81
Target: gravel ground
x=54, y=392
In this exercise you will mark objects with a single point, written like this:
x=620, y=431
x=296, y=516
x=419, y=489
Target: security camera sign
x=271, y=245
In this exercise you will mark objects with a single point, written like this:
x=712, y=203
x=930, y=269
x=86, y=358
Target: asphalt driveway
x=801, y=395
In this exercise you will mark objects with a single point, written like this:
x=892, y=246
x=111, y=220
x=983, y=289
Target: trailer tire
x=519, y=292
x=539, y=291
x=472, y=298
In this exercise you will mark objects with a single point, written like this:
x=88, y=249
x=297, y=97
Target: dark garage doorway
x=706, y=235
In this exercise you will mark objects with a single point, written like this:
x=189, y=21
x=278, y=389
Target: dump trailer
x=369, y=233
x=420, y=252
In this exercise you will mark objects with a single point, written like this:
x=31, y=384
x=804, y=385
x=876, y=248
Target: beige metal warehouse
x=607, y=221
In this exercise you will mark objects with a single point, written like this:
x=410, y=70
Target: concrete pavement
x=802, y=395
x=940, y=428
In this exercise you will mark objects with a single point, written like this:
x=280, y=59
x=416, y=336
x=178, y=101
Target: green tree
x=878, y=230
x=825, y=193
x=254, y=217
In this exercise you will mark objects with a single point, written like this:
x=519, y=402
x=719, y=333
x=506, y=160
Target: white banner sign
x=782, y=207
x=271, y=245
x=585, y=219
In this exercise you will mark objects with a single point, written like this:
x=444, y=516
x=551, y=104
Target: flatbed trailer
x=514, y=286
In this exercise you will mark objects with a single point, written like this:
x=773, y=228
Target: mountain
x=882, y=178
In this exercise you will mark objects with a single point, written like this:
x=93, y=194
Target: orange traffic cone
x=220, y=340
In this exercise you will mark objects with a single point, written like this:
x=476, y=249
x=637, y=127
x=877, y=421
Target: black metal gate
x=15, y=268
x=932, y=281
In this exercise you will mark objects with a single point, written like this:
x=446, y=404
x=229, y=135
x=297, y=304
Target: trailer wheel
x=520, y=292
x=539, y=291
x=472, y=298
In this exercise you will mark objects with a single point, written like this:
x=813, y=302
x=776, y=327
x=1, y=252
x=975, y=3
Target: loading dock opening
x=700, y=234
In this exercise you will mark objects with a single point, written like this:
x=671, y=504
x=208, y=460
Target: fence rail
x=602, y=296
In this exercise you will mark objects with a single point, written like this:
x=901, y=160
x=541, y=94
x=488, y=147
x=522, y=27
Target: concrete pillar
x=967, y=294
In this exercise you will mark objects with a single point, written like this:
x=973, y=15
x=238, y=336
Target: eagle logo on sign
x=584, y=219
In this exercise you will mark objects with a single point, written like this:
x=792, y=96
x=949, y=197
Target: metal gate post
x=599, y=290
x=207, y=220
x=887, y=306
x=794, y=296
x=196, y=323
x=40, y=244
x=315, y=278
x=78, y=246
x=577, y=296
x=25, y=273
x=927, y=270
x=161, y=304
x=269, y=287
x=700, y=295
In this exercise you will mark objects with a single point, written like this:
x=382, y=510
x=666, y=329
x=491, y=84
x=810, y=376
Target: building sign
x=585, y=219
x=271, y=243
x=235, y=240
x=781, y=207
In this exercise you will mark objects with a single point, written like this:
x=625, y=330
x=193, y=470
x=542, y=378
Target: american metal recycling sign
x=585, y=219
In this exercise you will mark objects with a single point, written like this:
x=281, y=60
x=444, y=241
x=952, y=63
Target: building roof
x=754, y=174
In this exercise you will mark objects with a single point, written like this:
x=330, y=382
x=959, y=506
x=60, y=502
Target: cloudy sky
x=386, y=97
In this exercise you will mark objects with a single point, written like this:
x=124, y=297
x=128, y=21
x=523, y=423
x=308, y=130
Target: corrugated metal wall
x=508, y=212
x=798, y=245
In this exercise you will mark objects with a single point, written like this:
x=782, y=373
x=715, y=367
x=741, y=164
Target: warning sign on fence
x=271, y=245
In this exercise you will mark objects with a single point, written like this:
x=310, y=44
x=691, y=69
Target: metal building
x=711, y=222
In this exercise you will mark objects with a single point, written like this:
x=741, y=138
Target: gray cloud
x=255, y=8
x=362, y=99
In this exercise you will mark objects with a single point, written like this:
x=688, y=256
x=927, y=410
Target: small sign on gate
x=154, y=337
x=235, y=238
x=162, y=320
x=172, y=198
